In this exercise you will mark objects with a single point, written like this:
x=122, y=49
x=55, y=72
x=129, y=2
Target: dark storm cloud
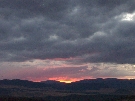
x=50, y=8
x=90, y=29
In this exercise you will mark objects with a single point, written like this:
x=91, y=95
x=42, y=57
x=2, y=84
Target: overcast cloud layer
x=79, y=31
x=94, y=30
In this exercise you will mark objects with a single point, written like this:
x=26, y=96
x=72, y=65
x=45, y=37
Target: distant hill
x=93, y=84
x=25, y=88
x=51, y=82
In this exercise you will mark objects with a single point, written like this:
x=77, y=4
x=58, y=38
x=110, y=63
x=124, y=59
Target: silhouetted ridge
x=94, y=84
x=51, y=82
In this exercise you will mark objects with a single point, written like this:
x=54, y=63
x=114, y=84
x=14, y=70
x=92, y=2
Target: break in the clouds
x=73, y=31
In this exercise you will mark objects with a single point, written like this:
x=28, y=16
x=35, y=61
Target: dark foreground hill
x=73, y=98
x=90, y=90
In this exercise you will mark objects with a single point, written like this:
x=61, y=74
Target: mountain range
x=88, y=84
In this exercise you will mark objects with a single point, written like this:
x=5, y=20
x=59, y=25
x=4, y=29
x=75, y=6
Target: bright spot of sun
x=65, y=81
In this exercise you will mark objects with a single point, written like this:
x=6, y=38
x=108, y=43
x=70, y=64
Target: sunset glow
x=65, y=81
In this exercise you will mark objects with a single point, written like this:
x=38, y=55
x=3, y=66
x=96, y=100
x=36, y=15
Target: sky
x=67, y=40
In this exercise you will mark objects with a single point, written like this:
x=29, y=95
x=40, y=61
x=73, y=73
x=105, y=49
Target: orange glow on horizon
x=59, y=79
x=71, y=80
x=65, y=81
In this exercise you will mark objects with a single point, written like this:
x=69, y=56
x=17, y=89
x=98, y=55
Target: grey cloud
x=51, y=8
x=61, y=29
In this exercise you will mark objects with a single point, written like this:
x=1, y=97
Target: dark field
x=87, y=90
x=73, y=98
